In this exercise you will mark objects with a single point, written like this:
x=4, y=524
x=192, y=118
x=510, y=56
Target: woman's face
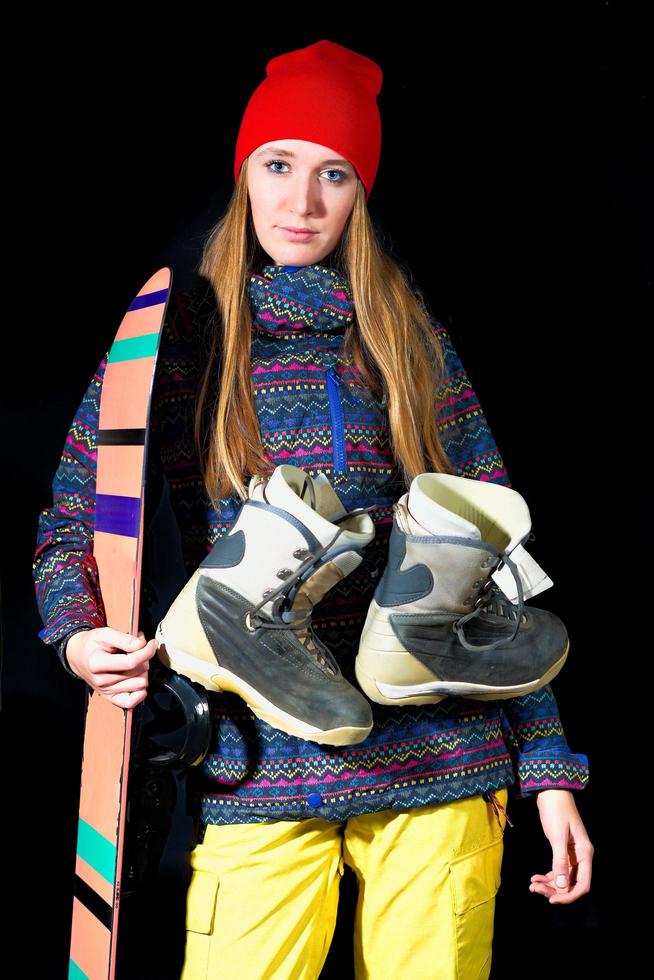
x=297, y=184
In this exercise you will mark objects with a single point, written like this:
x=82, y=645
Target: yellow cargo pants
x=263, y=898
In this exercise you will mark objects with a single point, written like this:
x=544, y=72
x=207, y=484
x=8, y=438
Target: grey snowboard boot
x=236, y=627
x=438, y=625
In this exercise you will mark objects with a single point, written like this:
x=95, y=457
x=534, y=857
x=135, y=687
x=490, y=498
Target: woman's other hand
x=113, y=663
x=572, y=850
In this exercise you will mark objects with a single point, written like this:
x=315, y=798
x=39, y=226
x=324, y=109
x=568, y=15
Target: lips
x=298, y=236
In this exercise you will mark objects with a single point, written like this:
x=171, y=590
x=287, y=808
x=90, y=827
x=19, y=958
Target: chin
x=299, y=256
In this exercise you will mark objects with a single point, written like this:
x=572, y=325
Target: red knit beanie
x=324, y=93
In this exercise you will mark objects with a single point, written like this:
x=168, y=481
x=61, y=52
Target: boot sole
x=215, y=678
x=379, y=643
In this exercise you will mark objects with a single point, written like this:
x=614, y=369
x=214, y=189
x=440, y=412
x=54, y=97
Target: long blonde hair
x=391, y=340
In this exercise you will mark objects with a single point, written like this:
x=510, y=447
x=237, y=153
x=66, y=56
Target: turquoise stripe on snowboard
x=132, y=347
x=74, y=972
x=96, y=851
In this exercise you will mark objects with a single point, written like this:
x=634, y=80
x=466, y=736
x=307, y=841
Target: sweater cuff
x=60, y=647
x=565, y=771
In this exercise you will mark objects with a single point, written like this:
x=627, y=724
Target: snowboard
x=122, y=444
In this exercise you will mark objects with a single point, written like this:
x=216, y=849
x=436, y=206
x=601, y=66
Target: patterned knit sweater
x=312, y=414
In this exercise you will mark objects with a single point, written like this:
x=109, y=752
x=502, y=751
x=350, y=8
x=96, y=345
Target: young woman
x=310, y=348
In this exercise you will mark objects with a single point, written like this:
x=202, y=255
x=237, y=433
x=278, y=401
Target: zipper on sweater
x=336, y=409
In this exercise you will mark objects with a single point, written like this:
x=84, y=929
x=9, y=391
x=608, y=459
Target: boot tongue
x=424, y=514
x=308, y=595
x=288, y=489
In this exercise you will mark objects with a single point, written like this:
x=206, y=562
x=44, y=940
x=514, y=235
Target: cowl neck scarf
x=299, y=299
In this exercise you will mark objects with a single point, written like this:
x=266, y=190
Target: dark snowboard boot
x=242, y=623
x=438, y=625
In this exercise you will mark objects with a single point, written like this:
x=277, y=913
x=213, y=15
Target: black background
x=515, y=184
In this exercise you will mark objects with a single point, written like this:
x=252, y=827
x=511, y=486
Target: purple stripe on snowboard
x=117, y=515
x=148, y=299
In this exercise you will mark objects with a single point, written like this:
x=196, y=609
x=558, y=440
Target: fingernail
x=561, y=880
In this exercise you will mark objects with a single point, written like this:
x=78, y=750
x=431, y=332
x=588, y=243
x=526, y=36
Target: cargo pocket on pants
x=475, y=879
x=201, y=898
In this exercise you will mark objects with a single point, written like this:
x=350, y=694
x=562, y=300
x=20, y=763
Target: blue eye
x=343, y=175
x=341, y=172
x=271, y=162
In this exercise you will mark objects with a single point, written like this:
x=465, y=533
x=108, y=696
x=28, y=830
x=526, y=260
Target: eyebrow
x=278, y=151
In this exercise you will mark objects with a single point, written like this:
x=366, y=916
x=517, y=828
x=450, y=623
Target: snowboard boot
x=236, y=627
x=450, y=535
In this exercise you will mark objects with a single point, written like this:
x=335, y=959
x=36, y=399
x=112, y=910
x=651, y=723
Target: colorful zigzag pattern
x=313, y=414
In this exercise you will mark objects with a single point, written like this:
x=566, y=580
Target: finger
x=542, y=884
x=120, y=662
x=575, y=892
x=560, y=865
x=579, y=885
x=116, y=639
x=127, y=700
x=105, y=678
x=127, y=685
x=549, y=881
x=539, y=888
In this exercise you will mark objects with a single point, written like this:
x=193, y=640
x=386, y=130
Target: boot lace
x=492, y=600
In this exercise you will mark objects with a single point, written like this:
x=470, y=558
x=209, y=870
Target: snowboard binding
x=171, y=733
x=157, y=742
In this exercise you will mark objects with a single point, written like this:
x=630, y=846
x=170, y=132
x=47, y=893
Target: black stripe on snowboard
x=93, y=902
x=121, y=437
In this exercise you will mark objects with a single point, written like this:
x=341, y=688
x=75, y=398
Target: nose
x=304, y=195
